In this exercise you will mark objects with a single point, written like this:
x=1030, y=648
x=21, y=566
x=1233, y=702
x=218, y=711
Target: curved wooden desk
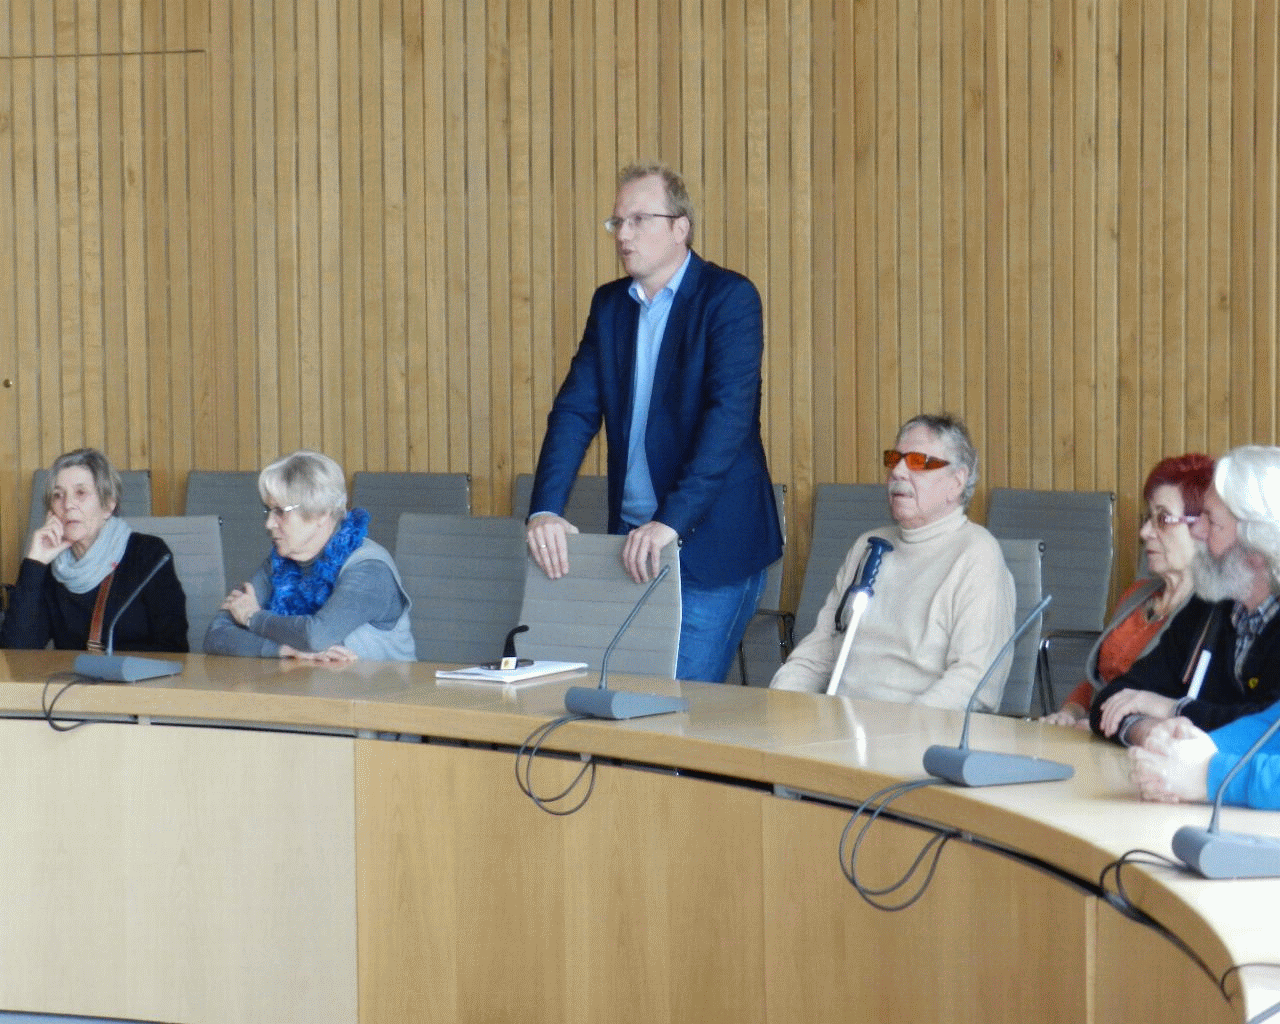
x=288, y=865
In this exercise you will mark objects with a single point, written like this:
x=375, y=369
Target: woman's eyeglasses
x=1167, y=520
x=274, y=510
x=915, y=460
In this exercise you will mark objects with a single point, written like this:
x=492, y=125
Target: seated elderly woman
x=1174, y=492
x=327, y=592
x=84, y=563
x=1179, y=761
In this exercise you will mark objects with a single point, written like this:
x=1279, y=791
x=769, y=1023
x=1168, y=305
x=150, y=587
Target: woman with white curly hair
x=1220, y=657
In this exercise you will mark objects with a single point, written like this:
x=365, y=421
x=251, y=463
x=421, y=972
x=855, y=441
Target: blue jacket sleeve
x=1257, y=784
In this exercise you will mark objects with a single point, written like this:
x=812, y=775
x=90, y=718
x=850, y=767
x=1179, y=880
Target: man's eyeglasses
x=636, y=221
x=1167, y=520
x=916, y=461
x=275, y=510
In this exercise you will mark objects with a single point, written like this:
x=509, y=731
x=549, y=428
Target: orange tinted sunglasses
x=915, y=460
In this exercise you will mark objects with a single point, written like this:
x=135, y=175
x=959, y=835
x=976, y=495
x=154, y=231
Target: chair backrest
x=196, y=543
x=841, y=514
x=587, y=508
x=576, y=617
x=232, y=496
x=387, y=496
x=1024, y=558
x=759, y=654
x=136, y=500
x=1076, y=527
x=465, y=576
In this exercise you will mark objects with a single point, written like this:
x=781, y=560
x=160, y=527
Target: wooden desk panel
x=202, y=875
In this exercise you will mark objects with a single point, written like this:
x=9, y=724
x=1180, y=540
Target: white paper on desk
x=538, y=672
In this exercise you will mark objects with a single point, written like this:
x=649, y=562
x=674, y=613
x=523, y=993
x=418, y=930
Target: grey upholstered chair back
x=1023, y=557
x=136, y=500
x=761, y=651
x=232, y=496
x=196, y=543
x=575, y=617
x=387, y=496
x=841, y=514
x=588, y=507
x=1076, y=527
x=465, y=576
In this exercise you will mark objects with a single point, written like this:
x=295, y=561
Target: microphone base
x=118, y=668
x=1227, y=854
x=618, y=705
x=976, y=768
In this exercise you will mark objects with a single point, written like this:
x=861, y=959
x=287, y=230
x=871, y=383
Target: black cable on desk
x=529, y=750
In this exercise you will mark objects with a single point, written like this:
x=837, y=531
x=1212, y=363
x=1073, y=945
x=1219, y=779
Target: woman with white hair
x=1219, y=659
x=327, y=592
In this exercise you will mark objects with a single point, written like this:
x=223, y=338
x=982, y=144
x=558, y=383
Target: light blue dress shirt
x=639, y=503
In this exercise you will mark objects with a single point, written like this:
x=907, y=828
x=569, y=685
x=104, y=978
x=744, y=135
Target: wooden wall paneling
x=304, y=146
x=996, y=227
x=431, y=425
x=81, y=379
x=12, y=537
x=1266, y=180
x=395, y=411
x=1244, y=398
x=350, y=396
x=287, y=300
x=86, y=155
x=178, y=284
x=1220, y=385
x=519, y=255
x=1053, y=363
x=1019, y=241
x=975, y=97
x=1032, y=352
x=857, y=344
x=1085, y=243
x=952, y=352
x=802, y=328
x=779, y=217
x=331, y=384
x=544, y=301
x=480, y=405
x=367, y=353
x=1171, y=385
x=1150, y=199
x=828, y=134
x=914, y=391
x=208, y=403
x=498, y=211
x=1105, y=324
x=153, y=344
x=709, y=69
x=1196, y=299
x=691, y=123
x=883, y=239
x=453, y=231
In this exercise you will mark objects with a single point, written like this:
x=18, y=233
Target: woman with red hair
x=1174, y=493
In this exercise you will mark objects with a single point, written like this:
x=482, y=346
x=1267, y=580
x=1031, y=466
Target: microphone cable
x=529, y=751
x=849, y=859
x=69, y=679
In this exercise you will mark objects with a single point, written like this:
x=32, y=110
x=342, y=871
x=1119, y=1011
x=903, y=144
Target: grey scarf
x=80, y=575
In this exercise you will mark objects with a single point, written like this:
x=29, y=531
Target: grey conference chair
x=841, y=514
x=1076, y=527
x=387, y=496
x=587, y=508
x=136, y=500
x=575, y=617
x=763, y=648
x=233, y=497
x=196, y=543
x=1024, y=558
x=465, y=576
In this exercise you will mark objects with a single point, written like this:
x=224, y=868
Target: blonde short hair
x=310, y=480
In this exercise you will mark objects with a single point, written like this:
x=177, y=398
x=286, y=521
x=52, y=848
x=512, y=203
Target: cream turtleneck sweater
x=943, y=607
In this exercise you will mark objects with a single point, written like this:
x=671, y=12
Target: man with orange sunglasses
x=942, y=601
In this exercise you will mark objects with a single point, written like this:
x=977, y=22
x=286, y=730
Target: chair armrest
x=786, y=628
x=1044, y=680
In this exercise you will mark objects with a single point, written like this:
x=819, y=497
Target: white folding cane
x=857, y=596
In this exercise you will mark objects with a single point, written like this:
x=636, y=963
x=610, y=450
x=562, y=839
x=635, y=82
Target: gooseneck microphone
x=602, y=702
x=124, y=669
x=1215, y=854
x=966, y=767
x=860, y=591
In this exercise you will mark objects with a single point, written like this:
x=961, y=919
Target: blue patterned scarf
x=295, y=592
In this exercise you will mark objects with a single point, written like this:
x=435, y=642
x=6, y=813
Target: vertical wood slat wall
x=229, y=228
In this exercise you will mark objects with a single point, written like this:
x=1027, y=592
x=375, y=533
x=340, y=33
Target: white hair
x=1247, y=480
x=309, y=479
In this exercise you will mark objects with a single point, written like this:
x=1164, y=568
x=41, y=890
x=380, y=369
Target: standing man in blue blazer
x=670, y=362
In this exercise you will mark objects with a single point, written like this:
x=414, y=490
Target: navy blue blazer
x=706, y=457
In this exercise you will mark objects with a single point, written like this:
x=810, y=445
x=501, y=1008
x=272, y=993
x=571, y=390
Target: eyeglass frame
x=892, y=457
x=637, y=221
x=1167, y=520
x=279, y=512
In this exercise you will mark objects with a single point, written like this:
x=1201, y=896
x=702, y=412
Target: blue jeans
x=712, y=622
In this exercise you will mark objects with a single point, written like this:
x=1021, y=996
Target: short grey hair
x=677, y=195
x=1247, y=480
x=310, y=480
x=106, y=480
x=952, y=432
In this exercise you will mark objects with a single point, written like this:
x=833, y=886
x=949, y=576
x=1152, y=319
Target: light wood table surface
x=250, y=842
